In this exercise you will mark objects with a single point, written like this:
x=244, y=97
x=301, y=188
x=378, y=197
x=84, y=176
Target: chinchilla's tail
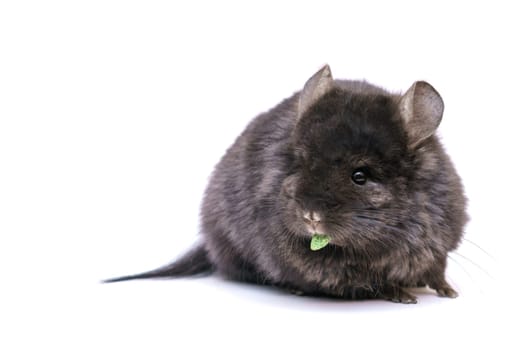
x=192, y=263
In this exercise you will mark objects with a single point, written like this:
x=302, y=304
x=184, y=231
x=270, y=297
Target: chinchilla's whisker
x=466, y=273
x=480, y=248
x=472, y=262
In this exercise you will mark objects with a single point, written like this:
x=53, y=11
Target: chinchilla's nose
x=312, y=220
x=312, y=216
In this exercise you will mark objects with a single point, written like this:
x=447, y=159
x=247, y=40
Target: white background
x=113, y=114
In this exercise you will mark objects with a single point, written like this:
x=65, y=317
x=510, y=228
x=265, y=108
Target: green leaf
x=319, y=241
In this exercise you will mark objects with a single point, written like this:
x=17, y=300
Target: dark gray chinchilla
x=346, y=160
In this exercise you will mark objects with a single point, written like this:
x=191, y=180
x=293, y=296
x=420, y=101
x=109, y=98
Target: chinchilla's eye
x=359, y=177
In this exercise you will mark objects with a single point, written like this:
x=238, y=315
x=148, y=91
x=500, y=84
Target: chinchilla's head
x=358, y=160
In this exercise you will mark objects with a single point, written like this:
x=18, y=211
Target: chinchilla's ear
x=318, y=85
x=421, y=109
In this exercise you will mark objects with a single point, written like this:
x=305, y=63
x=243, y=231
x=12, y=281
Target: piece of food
x=319, y=241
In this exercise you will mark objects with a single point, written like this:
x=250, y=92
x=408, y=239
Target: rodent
x=346, y=159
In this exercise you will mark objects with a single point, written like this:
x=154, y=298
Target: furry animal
x=342, y=158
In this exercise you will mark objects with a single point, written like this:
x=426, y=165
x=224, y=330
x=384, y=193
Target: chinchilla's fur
x=345, y=159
